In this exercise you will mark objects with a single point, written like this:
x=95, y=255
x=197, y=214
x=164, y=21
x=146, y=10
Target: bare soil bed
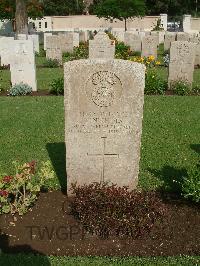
x=50, y=229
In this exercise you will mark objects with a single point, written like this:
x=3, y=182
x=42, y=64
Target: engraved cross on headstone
x=104, y=155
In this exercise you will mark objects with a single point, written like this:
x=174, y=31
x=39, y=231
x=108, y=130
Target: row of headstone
x=20, y=56
x=56, y=45
x=182, y=55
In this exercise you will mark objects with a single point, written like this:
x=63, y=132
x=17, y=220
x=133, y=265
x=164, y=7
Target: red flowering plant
x=19, y=192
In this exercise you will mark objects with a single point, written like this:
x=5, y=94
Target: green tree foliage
x=63, y=7
x=173, y=8
x=120, y=9
x=8, y=8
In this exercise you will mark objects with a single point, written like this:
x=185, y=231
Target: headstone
x=197, y=56
x=156, y=35
x=101, y=47
x=182, y=36
x=181, y=66
x=169, y=38
x=66, y=42
x=103, y=121
x=22, y=65
x=83, y=36
x=6, y=47
x=119, y=35
x=45, y=38
x=21, y=37
x=54, y=54
x=149, y=46
x=53, y=48
x=35, y=39
x=133, y=40
x=76, y=39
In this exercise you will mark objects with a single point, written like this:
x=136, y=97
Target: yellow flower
x=151, y=58
x=157, y=62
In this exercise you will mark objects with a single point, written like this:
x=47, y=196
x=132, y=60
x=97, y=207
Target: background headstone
x=103, y=121
x=65, y=42
x=182, y=36
x=197, y=56
x=6, y=47
x=133, y=40
x=149, y=46
x=35, y=39
x=45, y=37
x=101, y=47
x=169, y=38
x=22, y=65
x=181, y=66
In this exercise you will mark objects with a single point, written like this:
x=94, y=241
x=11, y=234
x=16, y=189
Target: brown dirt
x=178, y=234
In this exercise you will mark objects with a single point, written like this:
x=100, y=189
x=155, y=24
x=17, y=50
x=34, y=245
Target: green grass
x=31, y=260
x=32, y=128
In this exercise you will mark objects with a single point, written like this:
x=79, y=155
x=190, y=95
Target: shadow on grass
x=171, y=179
x=57, y=155
x=195, y=147
x=26, y=254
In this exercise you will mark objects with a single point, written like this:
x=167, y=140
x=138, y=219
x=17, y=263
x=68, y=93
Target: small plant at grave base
x=181, y=88
x=20, y=89
x=19, y=192
x=51, y=63
x=4, y=67
x=149, y=62
x=112, y=37
x=81, y=52
x=166, y=60
x=191, y=184
x=154, y=84
x=196, y=89
x=108, y=210
x=122, y=51
x=57, y=86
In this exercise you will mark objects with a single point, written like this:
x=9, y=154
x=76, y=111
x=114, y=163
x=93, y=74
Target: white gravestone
x=22, y=65
x=169, y=38
x=45, y=38
x=6, y=47
x=181, y=66
x=103, y=121
x=35, y=39
x=101, y=47
x=133, y=40
x=149, y=46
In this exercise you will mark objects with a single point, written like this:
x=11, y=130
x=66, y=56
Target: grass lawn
x=31, y=260
x=32, y=128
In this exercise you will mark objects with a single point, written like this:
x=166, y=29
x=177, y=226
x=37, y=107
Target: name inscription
x=102, y=122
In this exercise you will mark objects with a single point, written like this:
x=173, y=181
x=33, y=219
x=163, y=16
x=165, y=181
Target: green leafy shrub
x=19, y=192
x=196, y=89
x=81, y=52
x=154, y=84
x=122, y=51
x=51, y=63
x=110, y=210
x=20, y=89
x=57, y=86
x=158, y=26
x=191, y=184
x=181, y=88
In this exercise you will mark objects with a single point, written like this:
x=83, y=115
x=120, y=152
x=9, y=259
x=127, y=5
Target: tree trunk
x=21, y=17
x=125, y=24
